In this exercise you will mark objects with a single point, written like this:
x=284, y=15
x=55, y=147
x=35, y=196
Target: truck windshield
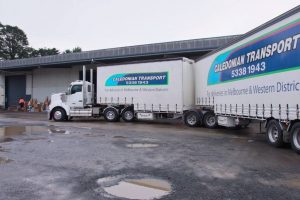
x=76, y=88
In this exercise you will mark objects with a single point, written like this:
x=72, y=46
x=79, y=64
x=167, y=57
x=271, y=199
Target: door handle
x=80, y=101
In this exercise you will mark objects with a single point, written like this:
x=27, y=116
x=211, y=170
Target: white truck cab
x=75, y=95
x=76, y=101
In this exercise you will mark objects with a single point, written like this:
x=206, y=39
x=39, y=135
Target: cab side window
x=76, y=88
x=89, y=88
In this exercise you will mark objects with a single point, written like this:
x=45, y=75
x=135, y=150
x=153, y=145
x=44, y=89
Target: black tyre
x=59, y=114
x=295, y=137
x=193, y=118
x=274, y=133
x=210, y=120
x=111, y=115
x=128, y=115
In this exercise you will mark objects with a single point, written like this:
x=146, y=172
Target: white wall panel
x=2, y=90
x=49, y=81
x=28, y=84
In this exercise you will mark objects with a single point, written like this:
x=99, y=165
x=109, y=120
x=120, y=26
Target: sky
x=100, y=24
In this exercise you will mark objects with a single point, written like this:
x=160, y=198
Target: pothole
x=5, y=160
x=135, y=188
x=141, y=145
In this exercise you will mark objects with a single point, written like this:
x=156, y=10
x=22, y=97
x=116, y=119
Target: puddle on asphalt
x=94, y=135
x=149, y=139
x=143, y=188
x=3, y=150
x=291, y=183
x=6, y=139
x=53, y=130
x=5, y=160
x=35, y=138
x=7, y=133
x=294, y=183
x=119, y=137
x=141, y=145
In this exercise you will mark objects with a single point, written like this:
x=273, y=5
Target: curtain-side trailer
x=256, y=77
x=148, y=90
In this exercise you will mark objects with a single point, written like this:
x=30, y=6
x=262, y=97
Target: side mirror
x=67, y=92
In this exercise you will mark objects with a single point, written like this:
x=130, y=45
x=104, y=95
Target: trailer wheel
x=295, y=140
x=59, y=114
x=111, y=114
x=275, y=133
x=128, y=115
x=193, y=118
x=210, y=120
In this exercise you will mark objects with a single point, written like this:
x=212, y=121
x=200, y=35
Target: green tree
x=67, y=51
x=74, y=50
x=13, y=42
x=14, y=45
x=31, y=52
x=45, y=52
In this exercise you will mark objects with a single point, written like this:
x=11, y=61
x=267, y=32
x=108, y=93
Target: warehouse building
x=39, y=77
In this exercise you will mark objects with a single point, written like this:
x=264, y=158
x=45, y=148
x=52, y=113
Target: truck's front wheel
x=111, y=114
x=295, y=140
x=275, y=133
x=59, y=114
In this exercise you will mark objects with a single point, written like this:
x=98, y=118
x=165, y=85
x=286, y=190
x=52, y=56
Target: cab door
x=75, y=97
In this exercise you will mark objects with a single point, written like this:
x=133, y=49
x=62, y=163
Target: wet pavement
x=93, y=159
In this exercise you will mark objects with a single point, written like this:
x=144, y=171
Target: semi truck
x=147, y=90
x=254, y=78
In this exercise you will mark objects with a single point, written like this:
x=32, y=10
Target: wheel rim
x=273, y=134
x=296, y=138
x=57, y=115
x=191, y=119
x=128, y=115
x=211, y=120
x=110, y=115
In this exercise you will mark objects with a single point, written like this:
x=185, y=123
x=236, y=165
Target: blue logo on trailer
x=273, y=52
x=135, y=79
